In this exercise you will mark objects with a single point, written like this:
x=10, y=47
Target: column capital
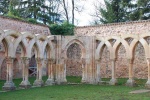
x=25, y=58
x=9, y=60
x=51, y=60
x=39, y=59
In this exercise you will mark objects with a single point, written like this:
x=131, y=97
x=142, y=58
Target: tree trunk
x=66, y=12
x=73, y=12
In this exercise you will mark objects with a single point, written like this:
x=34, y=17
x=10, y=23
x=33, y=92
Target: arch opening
x=74, y=63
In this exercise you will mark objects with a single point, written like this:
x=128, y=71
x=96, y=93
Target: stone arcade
x=119, y=50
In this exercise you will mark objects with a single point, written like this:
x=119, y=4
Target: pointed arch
x=83, y=50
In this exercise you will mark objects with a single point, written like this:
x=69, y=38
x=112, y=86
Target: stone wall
x=74, y=60
x=137, y=27
x=22, y=26
x=78, y=53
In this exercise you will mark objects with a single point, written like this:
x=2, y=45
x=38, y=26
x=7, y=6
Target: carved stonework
x=147, y=39
x=129, y=40
x=112, y=42
x=25, y=60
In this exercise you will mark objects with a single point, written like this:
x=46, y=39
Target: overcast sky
x=85, y=18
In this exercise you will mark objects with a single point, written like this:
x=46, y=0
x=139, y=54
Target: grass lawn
x=76, y=92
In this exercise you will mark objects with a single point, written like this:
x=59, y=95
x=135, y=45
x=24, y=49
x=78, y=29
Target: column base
x=9, y=86
x=83, y=82
x=38, y=83
x=58, y=82
x=130, y=83
x=147, y=85
x=25, y=84
x=50, y=82
x=113, y=82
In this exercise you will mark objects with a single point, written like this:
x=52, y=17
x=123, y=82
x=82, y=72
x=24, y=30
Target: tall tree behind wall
x=122, y=10
x=70, y=7
x=141, y=10
x=113, y=11
x=4, y=6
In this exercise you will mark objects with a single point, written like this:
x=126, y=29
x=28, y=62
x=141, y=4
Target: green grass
x=74, y=79
x=76, y=92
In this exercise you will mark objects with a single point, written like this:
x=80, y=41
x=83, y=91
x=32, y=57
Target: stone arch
x=99, y=48
x=140, y=66
x=105, y=69
x=6, y=46
x=47, y=45
x=79, y=43
x=122, y=68
x=11, y=37
x=23, y=45
x=76, y=67
x=11, y=33
x=36, y=45
x=145, y=41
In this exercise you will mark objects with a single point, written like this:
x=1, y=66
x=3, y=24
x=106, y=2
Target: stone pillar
x=98, y=77
x=39, y=81
x=130, y=81
x=25, y=73
x=50, y=80
x=83, y=70
x=147, y=85
x=9, y=85
x=113, y=80
x=64, y=73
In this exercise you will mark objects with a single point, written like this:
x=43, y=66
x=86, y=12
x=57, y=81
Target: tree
x=62, y=29
x=115, y=11
x=140, y=10
x=4, y=6
x=70, y=7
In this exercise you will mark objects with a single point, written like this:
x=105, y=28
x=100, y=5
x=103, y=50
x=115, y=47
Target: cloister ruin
x=120, y=50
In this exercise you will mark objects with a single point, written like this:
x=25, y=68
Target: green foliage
x=73, y=79
x=31, y=20
x=141, y=10
x=62, y=29
x=124, y=10
x=115, y=11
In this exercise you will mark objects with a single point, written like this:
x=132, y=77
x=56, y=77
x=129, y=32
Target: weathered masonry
x=114, y=50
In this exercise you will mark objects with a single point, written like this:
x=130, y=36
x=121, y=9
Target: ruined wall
x=78, y=52
x=140, y=68
x=74, y=65
x=139, y=27
x=22, y=26
x=18, y=26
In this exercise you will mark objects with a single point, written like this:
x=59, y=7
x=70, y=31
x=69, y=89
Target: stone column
x=9, y=85
x=98, y=77
x=39, y=81
x=64, y=73
x=130, y=81
x=113, y=80
x=50, y=80
x=83, y=70
x=147, y=85
x=25, y=73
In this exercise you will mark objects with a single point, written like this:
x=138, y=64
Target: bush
x=63, y=29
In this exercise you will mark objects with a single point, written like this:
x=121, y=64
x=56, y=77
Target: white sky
x=85, y=18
